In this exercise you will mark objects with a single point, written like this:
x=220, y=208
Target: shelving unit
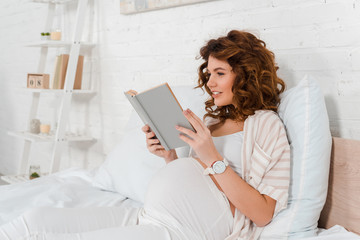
x=60, y=137
x=69, y=137
x=57, y=44
x=56, y=91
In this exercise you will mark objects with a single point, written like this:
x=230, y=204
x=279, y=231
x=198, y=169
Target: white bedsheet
x=74, y=188
x=335, y=233
x=71, y=188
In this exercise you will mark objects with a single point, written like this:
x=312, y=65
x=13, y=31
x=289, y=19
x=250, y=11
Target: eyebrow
x=218, y=68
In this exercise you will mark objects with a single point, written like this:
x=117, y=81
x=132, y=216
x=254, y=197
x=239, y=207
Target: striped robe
x=265, y=166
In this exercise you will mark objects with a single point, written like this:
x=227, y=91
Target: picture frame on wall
x=136, y=6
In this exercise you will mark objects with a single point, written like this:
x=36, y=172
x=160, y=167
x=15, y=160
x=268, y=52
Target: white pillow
x=304, y=114
x=129, y=168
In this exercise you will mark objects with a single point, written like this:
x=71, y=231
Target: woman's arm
x=256, y=206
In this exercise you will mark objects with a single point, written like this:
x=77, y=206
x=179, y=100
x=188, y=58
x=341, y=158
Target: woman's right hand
x=154, y=146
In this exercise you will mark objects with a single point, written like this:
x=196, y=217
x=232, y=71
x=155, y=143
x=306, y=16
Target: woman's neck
x=226, y=128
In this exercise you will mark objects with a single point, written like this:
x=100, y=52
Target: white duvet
x=74, y=188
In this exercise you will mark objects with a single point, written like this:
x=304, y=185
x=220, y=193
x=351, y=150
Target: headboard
x=343, y=200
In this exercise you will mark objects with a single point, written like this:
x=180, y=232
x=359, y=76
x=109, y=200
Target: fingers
x=194, y=120
x=156, y=147
x=186, y=139
x=188, y=132
x=150, y=135
x=145, y=128
x=151, y=142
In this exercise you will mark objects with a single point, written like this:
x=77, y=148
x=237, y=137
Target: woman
x=242, y=129
x=235, y=179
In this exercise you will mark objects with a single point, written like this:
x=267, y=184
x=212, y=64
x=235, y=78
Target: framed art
x=135, y=6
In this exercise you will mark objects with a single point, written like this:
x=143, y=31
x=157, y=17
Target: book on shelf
x=159, y=108
x=61, y=64
x=56, y=75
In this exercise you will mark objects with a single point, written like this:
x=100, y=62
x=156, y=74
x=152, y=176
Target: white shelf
x=53, y=1
x=69, y=137
x=57, y=44
x=11, y=179
x=57, y=91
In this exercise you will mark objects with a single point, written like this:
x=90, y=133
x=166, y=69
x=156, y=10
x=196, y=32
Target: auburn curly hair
x=256, y=85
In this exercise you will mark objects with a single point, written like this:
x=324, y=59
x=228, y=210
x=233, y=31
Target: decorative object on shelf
x=45, y=128
x=34, y=171
x=135, y=6
x=55, y=34
x=38, y=80
x=45, y=36
x=35, y=126
x=34, y=175
x=61, y=63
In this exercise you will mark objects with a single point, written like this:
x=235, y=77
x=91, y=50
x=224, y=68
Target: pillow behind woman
x=304, y=114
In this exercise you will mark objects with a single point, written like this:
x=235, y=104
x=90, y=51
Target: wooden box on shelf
x=38, y=80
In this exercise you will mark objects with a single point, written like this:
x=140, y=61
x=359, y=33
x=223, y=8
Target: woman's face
x=220, y=81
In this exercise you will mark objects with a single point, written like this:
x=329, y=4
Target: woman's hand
x=153, y=145
x=201, y=141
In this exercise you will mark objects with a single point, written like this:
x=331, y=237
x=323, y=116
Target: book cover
x=64, y=59
x=159, y=108
x=55, y=77
x=79, y=72
x=61, y=64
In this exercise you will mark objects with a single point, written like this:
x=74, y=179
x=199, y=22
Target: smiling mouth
x=216, y=94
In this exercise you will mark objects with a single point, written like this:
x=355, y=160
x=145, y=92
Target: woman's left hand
x=201, y=141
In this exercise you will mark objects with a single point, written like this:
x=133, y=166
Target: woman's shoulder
x=266, y=120
x=265, y=115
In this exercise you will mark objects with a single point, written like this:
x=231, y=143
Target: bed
x=74, y=188
x=78, y=188
x=342, y=205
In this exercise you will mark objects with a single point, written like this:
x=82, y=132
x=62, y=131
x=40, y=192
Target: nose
x=211, y=82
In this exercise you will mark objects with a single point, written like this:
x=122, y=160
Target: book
x=61, y=65
x=159, y=108
x=55, y=77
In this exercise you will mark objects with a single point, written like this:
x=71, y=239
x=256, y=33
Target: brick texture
x=317, y=37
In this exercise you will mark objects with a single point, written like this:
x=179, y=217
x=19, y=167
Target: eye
x=220, y=73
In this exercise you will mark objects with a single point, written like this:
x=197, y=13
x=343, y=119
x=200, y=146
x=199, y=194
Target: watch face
x=219, y=167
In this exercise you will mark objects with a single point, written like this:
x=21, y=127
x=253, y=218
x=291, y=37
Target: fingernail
x=177, y=127
x=185, y=112
x=188, y=110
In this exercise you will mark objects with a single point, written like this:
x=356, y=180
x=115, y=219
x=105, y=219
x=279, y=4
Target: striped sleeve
x=273, y=146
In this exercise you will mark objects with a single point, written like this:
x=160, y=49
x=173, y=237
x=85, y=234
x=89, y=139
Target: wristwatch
x=217, y=167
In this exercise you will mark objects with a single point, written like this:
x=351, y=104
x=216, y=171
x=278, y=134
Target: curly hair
x=256, y=85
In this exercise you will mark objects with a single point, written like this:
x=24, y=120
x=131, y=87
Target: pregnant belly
x=180, y=193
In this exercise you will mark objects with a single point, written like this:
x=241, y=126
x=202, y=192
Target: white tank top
x=229, y=146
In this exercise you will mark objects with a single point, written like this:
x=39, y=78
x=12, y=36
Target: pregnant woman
x=235, y=179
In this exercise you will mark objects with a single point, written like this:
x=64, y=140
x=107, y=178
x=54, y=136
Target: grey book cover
x=159, y=108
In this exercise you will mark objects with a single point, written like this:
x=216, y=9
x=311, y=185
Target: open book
x=159, y=108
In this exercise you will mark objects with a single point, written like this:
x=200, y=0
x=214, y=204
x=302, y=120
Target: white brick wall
x=319, y=37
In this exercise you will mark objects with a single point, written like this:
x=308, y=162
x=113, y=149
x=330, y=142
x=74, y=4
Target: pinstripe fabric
x=266, y=166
